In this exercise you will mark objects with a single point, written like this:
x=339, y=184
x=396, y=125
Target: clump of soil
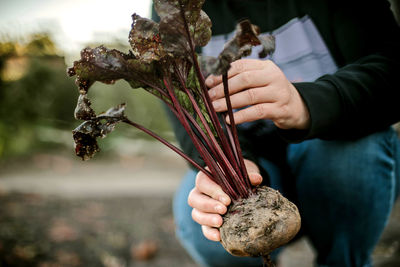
x=259, y=224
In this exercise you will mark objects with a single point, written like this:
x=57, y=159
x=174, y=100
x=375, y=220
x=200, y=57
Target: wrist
x=303, y=119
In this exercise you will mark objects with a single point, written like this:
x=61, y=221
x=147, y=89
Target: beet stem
x=246, y=181
x=267, y=262
x=205, y=96
x=218, y=176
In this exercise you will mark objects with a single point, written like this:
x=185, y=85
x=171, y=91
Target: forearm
x=361, y=97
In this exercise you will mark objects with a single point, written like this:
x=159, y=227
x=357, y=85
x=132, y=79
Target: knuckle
x=215, y=193
x=245, y=78
x=260, y=111
x=251, y=95
x=284, y=115
x=238, y=116
x=266, y=64
x=238, y=66
x=284, y=111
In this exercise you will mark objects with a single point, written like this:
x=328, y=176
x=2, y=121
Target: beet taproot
x=259, y=224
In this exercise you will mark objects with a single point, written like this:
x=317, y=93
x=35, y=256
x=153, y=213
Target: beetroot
x=257, y=225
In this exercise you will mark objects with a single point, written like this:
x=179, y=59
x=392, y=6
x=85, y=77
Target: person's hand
x=209, y=202
x=262, y=86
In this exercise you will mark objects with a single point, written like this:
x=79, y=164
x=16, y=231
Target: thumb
x=253, y=171
x=255, y=178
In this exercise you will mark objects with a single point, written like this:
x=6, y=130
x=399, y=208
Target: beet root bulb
x=259, y=224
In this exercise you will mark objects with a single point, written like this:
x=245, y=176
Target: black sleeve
x=362, y=96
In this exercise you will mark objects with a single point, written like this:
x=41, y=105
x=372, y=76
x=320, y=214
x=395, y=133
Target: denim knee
x=345, y=193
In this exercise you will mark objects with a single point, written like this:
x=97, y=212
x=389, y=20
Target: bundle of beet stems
x=164, y=63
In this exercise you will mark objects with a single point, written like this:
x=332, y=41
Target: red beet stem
x=245, y=176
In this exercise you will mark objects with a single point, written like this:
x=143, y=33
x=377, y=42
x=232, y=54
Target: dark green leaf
x=192, y=82
x=204, y=111
x=184, y=100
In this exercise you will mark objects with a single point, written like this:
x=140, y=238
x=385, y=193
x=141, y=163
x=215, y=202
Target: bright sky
x=73, y=22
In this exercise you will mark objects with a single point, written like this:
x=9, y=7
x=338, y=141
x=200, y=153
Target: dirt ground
x=57, y=211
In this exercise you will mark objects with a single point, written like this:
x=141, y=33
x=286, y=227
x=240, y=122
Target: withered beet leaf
x=202, y=31
x=268, y=45
x=173, y=35
x=85, y=145
x=208, y=64
x=99, y=64
x=109, y=65
x=191, y=8
x=145, y=40
x=240, y=45
x=85, y=135
x=173, y=29
x=83, y=111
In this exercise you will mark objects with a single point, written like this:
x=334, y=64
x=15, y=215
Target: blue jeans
x=344, y=190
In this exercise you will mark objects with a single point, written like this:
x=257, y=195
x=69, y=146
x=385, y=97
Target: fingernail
x=215, y=221
x=219, y=209
x=224, y=200
x=211, y=93
x=216, y=104
x=227, y=120
x=209, y=81
x=216, y=237
x=257, y=177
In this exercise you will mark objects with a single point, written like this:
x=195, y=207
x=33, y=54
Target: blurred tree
x=37, y=100
x=41, y=45
x=7, y=50
x=34, y=92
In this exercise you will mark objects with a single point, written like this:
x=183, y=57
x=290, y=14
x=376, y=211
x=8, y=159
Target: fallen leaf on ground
x=66, y=258
x=145, y=250
x=60, y=231
x=24, y=252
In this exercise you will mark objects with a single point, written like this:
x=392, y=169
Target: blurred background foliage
x=37, y=99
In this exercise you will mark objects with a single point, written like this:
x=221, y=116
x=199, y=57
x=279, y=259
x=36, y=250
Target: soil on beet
x=259, y=224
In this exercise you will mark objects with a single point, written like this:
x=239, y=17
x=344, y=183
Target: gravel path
x=145, y=182
x=122, y=175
